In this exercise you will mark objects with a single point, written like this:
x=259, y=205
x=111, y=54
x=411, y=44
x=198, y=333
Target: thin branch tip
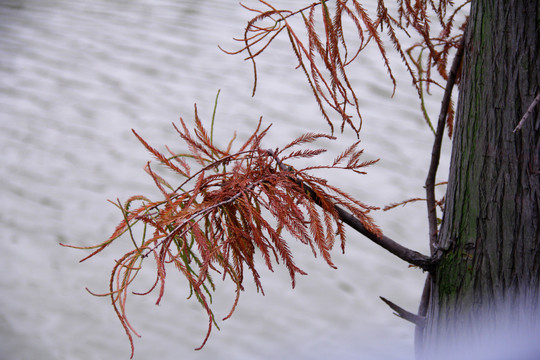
x=527, y=113
x=404, y=314
x=437, y=143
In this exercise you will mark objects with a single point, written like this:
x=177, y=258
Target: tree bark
x=489, y=279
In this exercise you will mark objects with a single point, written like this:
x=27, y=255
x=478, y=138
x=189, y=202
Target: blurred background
x=77, y=76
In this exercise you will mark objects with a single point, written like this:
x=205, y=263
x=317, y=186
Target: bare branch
x=404, y=253
x=412, y=257
x=436, y=152
x=404, y=314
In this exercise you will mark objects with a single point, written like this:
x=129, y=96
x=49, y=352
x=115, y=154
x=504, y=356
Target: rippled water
x=75, y=77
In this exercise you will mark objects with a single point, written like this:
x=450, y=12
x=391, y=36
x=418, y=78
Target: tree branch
x=404, y=253
x=412, y=257
x=436, y=151
x=404, y=314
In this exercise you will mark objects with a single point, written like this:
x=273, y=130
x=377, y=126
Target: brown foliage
x=232, y=205
x=323, y=53
x=217, y=218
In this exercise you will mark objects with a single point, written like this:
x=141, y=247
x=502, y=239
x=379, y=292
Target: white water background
x=77, y=76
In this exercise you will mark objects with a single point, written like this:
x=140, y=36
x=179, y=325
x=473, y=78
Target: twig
x=404, y=314
x=528, y=112
x=202, y=212
x=436, y=152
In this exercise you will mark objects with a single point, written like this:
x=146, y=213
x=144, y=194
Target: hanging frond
x=323, y=53
x=215, y=221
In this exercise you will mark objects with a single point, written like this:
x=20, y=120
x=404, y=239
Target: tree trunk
x=489, y=280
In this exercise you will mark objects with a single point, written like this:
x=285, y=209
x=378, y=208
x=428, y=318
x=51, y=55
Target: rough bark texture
x=490, y=278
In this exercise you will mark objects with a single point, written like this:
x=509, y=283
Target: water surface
x=76, y=77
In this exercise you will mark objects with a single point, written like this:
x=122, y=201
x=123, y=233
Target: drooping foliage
x=223, y=211
x=324, y=51
x=217, y=219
